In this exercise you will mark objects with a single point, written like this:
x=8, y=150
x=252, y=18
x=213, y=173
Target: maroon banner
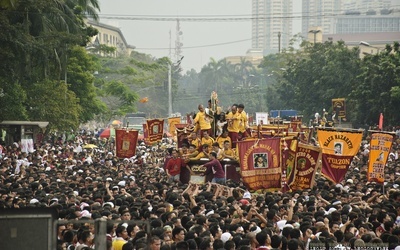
x=260, y=163
x=303, y=174
x=183, y=132
x=155, y=130
x=338, y=149
x=126, y=141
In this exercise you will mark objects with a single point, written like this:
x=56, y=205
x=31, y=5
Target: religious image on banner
x=289, y=148
x=183, y=132
x=338, y=150
x=303, y=175
x=260, y=160
x=260, y=163
x=380, y=146
x=126, y=141
x=155, y=130
x=146, y=134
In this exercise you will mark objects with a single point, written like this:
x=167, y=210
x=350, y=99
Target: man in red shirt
x=173, y=167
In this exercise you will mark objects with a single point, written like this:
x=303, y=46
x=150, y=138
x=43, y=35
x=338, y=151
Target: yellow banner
x=339, y=142
x=380, y=146
x=338, y=150
x=171, y=124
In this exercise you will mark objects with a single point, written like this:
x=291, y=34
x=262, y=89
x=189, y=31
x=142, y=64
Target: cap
x=349, y=181
x=247, y=195
x=33, y=201
x=225, y=237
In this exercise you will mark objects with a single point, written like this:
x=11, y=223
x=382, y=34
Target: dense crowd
x=85, y=184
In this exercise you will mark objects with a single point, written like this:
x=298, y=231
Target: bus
x=134, y=121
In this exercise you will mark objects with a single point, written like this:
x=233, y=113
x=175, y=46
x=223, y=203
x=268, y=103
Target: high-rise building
x=363, y=16
x=319, y=13
x=271, y=25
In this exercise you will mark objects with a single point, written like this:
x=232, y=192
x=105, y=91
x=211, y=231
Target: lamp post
x=366, y=44
x=315, y=34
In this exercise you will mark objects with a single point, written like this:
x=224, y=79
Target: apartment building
x=271, y=25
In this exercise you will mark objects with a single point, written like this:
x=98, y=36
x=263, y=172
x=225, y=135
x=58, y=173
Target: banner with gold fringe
x=338, y=149
x=260, y=163
x=155, y=130
x=126, y=141
x=307, y=162
x=380, y=146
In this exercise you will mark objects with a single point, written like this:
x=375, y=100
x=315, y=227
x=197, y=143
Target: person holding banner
x=215, y=167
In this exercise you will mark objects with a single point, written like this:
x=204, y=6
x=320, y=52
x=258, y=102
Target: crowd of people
x=147, y=207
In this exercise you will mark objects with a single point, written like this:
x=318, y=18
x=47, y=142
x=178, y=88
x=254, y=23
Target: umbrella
x=91, y=146
x=116, y=122
x=107, y=133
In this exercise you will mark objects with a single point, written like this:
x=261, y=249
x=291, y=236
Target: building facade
x=271, y=25
x=319, y=13
x=110, y=36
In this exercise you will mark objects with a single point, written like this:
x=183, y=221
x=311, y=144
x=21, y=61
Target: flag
x=145, y=134
x=171, y=124
x=155, y=130
x=183, y=132
x=380, y=146
x=126, y=141
x=260, y=163
x=380, y=126
x=289, y=149
x=303, y=175
x=338, y=150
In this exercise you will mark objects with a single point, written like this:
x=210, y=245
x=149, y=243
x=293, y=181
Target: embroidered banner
x=260, y=163
x=155, y=130
x=338, y=150
x=303, y=175
x=380, y=146
x=126, y=141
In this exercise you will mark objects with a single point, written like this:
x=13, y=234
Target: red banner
x=380, y=146
x=303, y=174
x=183, y=131
x=338, y=150
x=155, y=130
x=126, y=141
x=260, y=163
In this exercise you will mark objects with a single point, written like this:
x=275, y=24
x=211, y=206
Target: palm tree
x=242, y=70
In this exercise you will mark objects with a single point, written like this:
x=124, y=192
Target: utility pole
x=169, y=90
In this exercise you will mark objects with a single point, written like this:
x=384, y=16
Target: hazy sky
x=152, y=37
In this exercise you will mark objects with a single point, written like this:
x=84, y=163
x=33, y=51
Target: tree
x=377, y=87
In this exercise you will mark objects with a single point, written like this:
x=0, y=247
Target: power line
x=228, y=18
x=202, y=46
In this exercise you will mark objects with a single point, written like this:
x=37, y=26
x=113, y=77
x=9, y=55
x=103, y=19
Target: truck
x=134, y=121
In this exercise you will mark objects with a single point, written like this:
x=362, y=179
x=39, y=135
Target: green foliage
x=39, y=40
x=52, y=101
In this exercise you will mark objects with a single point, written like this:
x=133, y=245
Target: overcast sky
x=152, y=37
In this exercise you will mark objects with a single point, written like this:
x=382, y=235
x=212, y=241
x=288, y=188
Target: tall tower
x=271, y=25
x=178, y=43
x=320, y=13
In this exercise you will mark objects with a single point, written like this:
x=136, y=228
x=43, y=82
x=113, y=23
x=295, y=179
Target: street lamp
x=315, y=34
x=366, y=44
